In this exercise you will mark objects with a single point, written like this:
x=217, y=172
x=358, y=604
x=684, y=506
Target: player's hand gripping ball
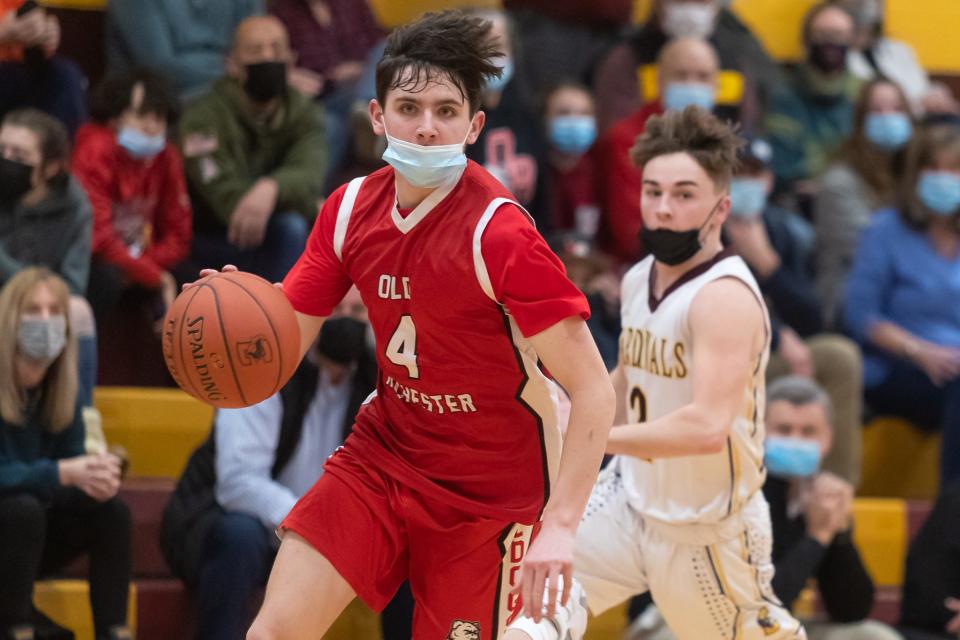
x=232, y=340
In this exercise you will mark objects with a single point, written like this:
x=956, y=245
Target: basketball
x=232, y=340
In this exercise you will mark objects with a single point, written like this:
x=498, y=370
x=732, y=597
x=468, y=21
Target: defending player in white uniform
x=679, y=511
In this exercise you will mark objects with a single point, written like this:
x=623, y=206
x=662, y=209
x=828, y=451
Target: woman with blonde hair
x=56, y=503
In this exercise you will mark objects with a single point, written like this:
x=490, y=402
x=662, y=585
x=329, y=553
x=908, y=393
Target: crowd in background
x=218, y=129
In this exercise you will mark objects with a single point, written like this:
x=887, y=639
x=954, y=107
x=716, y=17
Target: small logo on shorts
x=768, y=624
x=461, y=630
x=254, y=351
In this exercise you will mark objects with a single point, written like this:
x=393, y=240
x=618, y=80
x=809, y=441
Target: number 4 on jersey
x=402, y=348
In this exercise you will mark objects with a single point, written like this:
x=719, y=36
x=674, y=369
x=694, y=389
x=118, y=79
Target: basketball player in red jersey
x=458, y=453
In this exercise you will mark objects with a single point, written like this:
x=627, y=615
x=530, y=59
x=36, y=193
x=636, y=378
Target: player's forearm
x=688, y=431
x=591, y=414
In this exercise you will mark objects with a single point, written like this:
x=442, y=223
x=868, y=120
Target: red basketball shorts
x=377, y=533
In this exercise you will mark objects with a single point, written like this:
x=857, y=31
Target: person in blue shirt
x=56, y=502
x=903, y=291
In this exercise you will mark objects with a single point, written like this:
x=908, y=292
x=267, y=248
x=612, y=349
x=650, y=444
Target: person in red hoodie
x=687, y=74
x=135, y=181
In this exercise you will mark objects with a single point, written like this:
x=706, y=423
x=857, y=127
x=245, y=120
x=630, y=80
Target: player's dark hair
x=710, y=141
x=450, y=43
x=112, y=96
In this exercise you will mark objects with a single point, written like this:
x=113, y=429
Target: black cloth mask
x=828, y=57
x=16, y=179
x=343, y=340
x=266, y=81
x=674, y=247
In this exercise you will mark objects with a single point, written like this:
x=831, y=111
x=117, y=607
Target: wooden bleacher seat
x=161, y=427
x=899, y=460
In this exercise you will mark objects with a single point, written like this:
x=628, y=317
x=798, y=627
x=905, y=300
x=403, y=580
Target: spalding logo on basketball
x=232, y=340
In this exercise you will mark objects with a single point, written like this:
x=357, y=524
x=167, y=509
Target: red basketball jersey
x=462, y=411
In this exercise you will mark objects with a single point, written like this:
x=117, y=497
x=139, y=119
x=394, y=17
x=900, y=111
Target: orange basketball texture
x=231, y=341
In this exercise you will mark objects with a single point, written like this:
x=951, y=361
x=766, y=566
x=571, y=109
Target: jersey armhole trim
x=343, y=215
x=479, y=265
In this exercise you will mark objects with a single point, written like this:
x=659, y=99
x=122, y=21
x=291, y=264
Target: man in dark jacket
x=811, y=514
x=219, y=528
x=254, y=155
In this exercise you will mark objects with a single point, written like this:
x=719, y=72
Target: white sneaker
x=570, y=621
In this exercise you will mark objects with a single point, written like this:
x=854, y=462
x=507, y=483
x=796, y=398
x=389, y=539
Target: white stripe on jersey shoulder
x=343, y=215
x=478, y=264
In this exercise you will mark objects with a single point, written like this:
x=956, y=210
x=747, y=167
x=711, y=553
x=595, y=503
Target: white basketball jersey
x=656, y=353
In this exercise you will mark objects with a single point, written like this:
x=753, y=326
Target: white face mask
x=423, y=166
x=42, y=338
x=689, y=19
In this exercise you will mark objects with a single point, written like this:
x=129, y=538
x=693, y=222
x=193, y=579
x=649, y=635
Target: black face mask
x=16, y=178
x=266, y=81
x=828, y=57
x=343, y=340
x=674, y=247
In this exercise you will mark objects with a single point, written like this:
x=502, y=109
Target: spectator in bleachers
x=625, y=79
x=56, y=503
x=876, y=55
x=184, y=40
x=861, y=181
x=687, y=73
x=777, y=245
x=134, y=179
x=256, y=465
x=930, y=607
x=511, y=146
x=902, y=292
x=571, y=126
x=254, y=153
x=31, y=74
x=811, y=511
x=334, y=42
x=45, y=220
x=813, y=113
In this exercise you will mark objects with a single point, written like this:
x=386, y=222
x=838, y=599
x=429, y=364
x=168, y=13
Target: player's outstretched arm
x=619, y=381
x=730, y=329
x=569, y=353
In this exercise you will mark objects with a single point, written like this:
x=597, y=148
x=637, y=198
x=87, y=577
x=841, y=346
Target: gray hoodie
x=54, y=233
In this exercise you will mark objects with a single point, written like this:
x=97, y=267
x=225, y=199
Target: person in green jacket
x=254, y=154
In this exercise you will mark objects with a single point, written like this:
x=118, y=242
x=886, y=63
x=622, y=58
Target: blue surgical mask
x=423, y=166
x=888, y=131
x=748, y=197
x=139, y=145
x=506, y=73
x=680, y=95
x=572, y=134
x=939, y=191
x=791, y=457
